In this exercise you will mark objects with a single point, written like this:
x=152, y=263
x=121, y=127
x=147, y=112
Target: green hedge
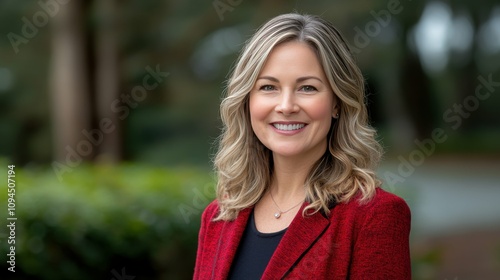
x=101, y=221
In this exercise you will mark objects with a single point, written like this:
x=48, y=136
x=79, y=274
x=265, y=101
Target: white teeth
x=288, y=127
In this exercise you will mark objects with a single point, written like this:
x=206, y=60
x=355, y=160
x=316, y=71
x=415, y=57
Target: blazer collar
x=300, y=236
x=302, y=233
x=229, y=240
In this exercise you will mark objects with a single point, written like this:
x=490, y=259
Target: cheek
x=258, y=110
x=321, y=109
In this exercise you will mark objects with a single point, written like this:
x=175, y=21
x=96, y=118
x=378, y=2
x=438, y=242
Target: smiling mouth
x=288, y=127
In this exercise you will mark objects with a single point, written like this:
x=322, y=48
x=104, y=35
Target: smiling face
x=291, y=103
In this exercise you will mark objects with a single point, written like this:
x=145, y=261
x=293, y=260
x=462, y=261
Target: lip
x=288, y=132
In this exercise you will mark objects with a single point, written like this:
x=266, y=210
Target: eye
x=308, y=88
x=267, y=88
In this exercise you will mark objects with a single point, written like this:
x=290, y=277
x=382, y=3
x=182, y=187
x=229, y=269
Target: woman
x=297, y=195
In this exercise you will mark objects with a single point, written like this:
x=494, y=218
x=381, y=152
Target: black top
x=254, y=252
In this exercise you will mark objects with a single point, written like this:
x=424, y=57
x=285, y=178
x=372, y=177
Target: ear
x=336, y=111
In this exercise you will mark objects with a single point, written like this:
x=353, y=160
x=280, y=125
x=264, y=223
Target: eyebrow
x=300, y=79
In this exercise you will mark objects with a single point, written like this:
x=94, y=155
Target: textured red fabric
x=355, y=241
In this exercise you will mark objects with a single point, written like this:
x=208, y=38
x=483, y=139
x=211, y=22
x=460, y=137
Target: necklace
x=277, y=215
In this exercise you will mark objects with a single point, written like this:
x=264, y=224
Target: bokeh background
x=109, y=112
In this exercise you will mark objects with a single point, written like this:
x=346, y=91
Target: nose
x=287, y=104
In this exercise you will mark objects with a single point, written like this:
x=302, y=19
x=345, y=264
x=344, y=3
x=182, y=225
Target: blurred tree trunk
x=69, y=84
x=467, y=73
x=107, y=80
x=414, y=84
x=84, y=125
x=417, y=95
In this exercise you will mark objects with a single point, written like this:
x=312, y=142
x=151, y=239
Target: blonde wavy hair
x=244, y=165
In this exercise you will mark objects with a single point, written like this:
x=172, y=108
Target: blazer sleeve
x=381, y=249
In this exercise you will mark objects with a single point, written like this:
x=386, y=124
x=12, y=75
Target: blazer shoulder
x=386, y=206
x=382, y=202
x=210, y=211
x=389, y=200
x=383, y=213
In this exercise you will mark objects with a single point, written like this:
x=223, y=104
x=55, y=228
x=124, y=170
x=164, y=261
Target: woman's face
x=291, y=103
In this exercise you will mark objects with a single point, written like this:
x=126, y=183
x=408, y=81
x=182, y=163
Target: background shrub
x=102, y=218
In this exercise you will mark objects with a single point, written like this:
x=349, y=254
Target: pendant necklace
x=277, y=215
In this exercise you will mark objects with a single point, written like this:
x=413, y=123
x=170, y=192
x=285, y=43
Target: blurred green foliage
x=102, y=218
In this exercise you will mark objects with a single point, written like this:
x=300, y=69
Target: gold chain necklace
x=277, y=215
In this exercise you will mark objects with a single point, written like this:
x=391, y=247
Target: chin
x=286, y=152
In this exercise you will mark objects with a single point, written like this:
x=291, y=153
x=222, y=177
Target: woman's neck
x=289, y=177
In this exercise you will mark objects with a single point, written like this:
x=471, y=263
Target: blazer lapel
x=230, y=239
x=300, y=235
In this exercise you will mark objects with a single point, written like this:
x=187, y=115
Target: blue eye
x=308, y=88
x=267, y=88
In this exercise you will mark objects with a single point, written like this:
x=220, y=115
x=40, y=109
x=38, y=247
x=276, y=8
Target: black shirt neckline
x=254, y=229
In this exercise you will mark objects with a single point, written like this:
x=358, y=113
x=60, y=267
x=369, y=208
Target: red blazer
x=354, y=242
